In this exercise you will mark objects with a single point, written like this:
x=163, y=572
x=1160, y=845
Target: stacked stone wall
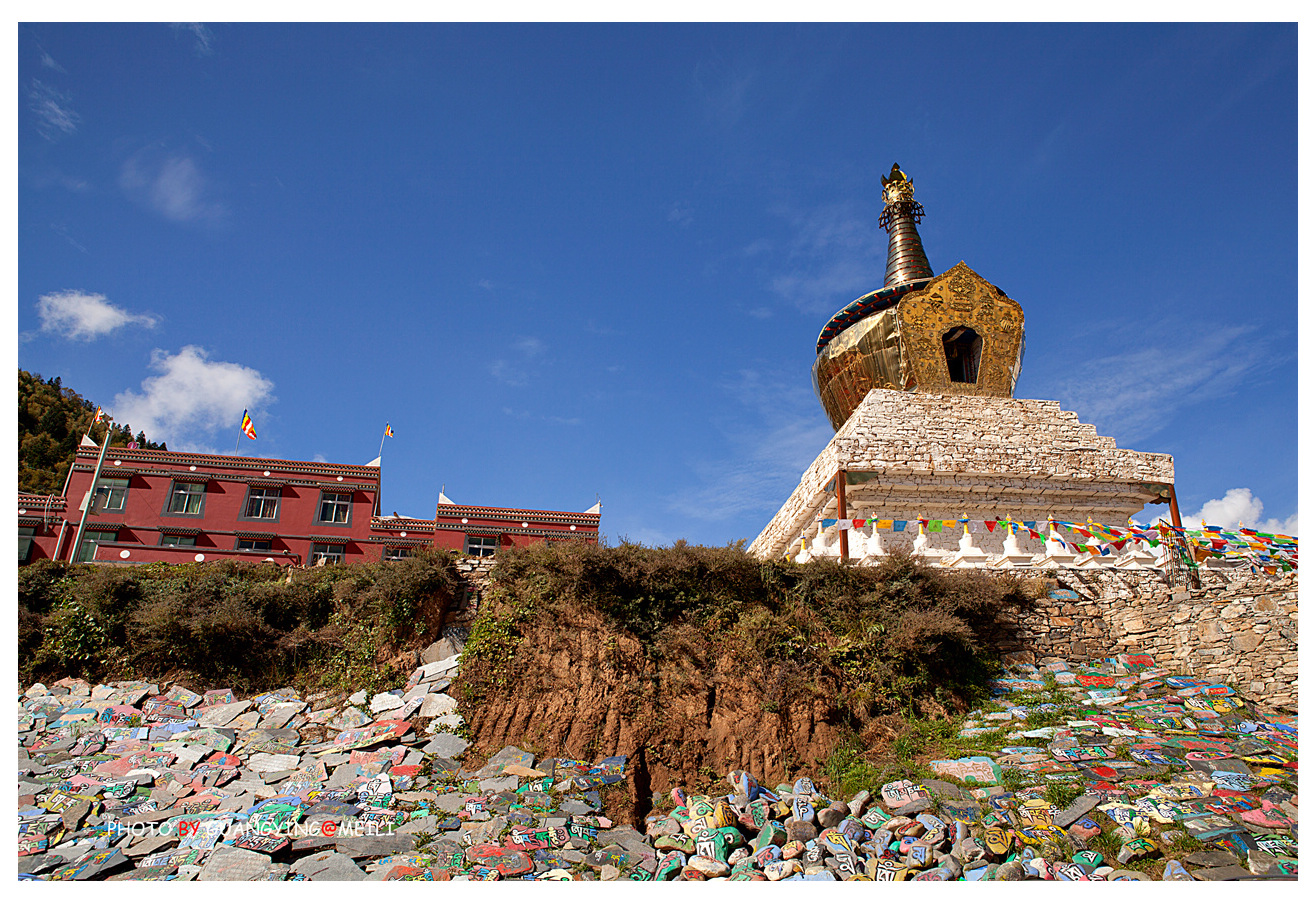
x=954, y=455
x=1236, y=628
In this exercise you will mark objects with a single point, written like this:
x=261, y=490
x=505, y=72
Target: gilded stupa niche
x=950, y=334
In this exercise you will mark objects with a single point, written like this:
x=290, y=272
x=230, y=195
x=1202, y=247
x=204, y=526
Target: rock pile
x=1142, y=775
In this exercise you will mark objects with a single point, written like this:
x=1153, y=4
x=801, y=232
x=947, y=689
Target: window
x=110, y=494
x=25, y=534
x=481, y=546
x=186, y=498
x=91, y=539
x=963, y=353
x=396, y=554
x=262, y=504
x=329, y=554
x=253, y=544
x=179, y=541
x=335, y=508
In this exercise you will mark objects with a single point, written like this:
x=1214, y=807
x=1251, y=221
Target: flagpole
x=91, y=493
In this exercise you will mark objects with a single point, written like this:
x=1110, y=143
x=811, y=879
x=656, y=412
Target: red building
x=170, y=506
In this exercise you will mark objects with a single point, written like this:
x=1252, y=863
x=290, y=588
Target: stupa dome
x=953, y=333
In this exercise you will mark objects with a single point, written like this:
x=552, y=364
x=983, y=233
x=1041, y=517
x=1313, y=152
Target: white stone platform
x=910, y=455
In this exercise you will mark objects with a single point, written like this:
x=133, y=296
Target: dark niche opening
x=963, y=354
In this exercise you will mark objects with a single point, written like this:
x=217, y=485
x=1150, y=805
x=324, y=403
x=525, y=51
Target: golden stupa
x=953, y=333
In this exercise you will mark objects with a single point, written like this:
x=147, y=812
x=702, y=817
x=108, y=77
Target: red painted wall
x=144, y=516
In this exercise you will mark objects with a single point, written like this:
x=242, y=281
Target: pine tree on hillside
x=51, y=421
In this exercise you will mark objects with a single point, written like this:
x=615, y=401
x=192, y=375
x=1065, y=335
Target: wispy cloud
x=192, y=397
x=515, y=370
x=777, y=438
x=540, y=417
x=724, y=89
x=835, y=255
x=80, y=316
x=172, y=186
x=48, y=62
x=55, y=115
x=63, y=232
x=1133, y=394
x=680, y=213
x=205, y=38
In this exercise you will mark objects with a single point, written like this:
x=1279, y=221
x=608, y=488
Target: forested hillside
x=51, y=421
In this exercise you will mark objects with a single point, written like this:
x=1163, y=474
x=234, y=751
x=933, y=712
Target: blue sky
x=576, y=260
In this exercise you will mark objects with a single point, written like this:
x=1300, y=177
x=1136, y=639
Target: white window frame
x=264, y=498
x=114, y=490
x=481, y=545
x=188, y=491
x=324, y=551
x=90, y=539
x=335, y=501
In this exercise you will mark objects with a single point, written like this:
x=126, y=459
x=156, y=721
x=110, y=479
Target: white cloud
x=174, y=187
x=1133, y=394
x=191, y=397
x=205, y=38
x=1240, y=505
x=54, y=115
x=84, y=317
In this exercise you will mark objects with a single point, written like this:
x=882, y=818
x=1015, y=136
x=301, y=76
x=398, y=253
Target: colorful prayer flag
x=388, y=431
x=248, y=428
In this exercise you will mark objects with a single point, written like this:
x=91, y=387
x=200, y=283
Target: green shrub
x=249, y=625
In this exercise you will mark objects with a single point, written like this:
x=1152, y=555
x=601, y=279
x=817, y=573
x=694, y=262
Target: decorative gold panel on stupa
x=955, y=333
x=961, y=335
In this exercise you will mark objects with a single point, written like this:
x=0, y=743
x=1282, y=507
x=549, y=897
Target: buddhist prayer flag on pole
x=248, y=429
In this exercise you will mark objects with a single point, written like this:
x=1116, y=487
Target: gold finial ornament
x=897, y=186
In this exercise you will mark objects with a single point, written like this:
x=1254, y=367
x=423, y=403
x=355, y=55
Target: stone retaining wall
x=1237, y=628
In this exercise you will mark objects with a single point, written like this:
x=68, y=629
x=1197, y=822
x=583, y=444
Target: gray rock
x=944, y=790
x=446, y=745
x=376, y=846
x=1211, y=859
x=918, y=806
x=1131, y=875
x=1076, y=809
x=800, y=831
x=222, y=715
x=832, y=815
x=499, y=784
x=1229, y=872
x=328, y=865
x=437, y=704
x=232, y=863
